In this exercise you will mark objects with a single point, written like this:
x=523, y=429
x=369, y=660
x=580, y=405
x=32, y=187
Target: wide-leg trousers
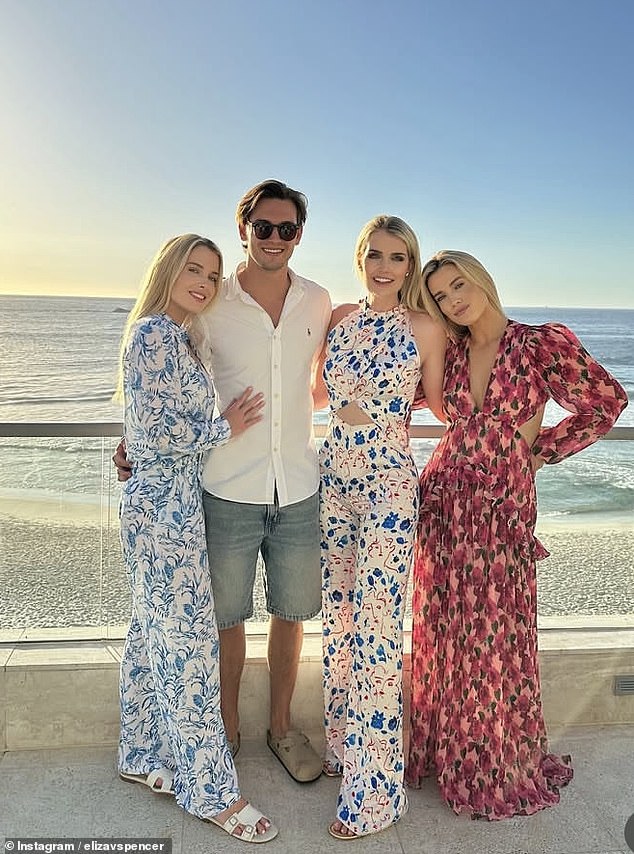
x=369, y=506
x=170, y=671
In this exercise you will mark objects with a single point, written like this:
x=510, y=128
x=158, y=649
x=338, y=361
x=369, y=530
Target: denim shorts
x=288, y=540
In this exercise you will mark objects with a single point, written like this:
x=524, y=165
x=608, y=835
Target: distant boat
x=120, y=310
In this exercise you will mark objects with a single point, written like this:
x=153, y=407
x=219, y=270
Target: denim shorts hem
x=292, y=618
x=230, y=624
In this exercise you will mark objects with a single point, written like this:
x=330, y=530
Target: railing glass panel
x=60, y=561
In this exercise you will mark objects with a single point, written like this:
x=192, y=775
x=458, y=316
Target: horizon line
x=132, y=299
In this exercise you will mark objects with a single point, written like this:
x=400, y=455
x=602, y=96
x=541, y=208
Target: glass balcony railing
x=61, y=568
x=60, y=561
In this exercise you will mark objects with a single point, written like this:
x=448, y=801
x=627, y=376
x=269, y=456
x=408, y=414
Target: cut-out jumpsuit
x=369, y=506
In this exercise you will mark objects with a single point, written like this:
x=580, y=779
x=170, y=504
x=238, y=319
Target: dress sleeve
x=162, y=397
x=578, y=383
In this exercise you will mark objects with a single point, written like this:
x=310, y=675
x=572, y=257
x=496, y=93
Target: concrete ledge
x=65, y=693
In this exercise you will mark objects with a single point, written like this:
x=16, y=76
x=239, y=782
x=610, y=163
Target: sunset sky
x=500, y=127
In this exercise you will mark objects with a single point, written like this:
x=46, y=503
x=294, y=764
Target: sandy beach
x=60, y=567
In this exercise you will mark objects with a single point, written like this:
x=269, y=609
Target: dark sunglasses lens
x=262, y=228
x=287, y=230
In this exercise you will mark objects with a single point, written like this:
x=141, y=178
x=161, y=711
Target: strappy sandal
x=247, y=818
x=331, y=766
x=331, y=769
x=165, y=787
x=347, y=836
x=338, y=835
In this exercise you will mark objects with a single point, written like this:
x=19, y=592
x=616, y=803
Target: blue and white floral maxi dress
x=170, y=681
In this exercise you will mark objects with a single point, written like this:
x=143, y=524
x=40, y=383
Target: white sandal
x=165, y=787
x=247, y=818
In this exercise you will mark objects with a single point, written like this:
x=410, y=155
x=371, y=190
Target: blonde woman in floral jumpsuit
x=172, y=736
x=373, y=359
x=477, y=723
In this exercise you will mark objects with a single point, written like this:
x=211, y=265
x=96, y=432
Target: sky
x=500, y=127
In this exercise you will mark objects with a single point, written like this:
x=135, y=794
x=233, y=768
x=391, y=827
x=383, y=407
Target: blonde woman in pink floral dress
x=476, y=713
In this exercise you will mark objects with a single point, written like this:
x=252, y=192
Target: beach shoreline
x=61, y=565
x=88, y=509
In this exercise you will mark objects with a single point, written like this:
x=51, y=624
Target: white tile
x=79, y=800
x=86, y=655
x=74, y=792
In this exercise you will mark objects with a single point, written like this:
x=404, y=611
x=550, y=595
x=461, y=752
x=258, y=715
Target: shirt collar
x=234, y=290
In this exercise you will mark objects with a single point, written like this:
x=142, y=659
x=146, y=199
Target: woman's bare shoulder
x=341, y=311
x=424, y=326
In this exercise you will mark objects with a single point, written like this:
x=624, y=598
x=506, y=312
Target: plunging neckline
x=494, y=367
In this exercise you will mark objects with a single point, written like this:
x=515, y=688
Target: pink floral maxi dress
x=476, y=712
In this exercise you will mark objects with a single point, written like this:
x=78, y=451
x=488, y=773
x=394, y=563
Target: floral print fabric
x=368, y=503
x=170, y=687
x=476, y=715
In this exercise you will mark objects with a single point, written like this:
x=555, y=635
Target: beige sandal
x=338, y=834
x=297, y=755
x=247, y=818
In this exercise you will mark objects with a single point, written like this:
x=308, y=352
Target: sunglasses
x=263, y=229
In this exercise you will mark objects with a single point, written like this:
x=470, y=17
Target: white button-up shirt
x=247, y=350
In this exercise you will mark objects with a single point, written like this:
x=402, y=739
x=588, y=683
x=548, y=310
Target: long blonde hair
x=471, y=269
x=409, y=293
x=156, y=289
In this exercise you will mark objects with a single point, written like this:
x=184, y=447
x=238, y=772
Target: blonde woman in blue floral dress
x=375, y=355
x=172, y=735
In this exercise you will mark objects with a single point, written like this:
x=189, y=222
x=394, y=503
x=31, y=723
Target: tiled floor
x=76, y=793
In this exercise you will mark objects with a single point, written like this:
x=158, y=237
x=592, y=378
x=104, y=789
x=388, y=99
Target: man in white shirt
x=261, y=489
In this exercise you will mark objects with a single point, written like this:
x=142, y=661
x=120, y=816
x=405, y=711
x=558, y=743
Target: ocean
x=60, y=364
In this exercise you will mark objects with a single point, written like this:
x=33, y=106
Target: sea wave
x=60, y=365
x=614, y=504
x=56, y=499
x=37, y=400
